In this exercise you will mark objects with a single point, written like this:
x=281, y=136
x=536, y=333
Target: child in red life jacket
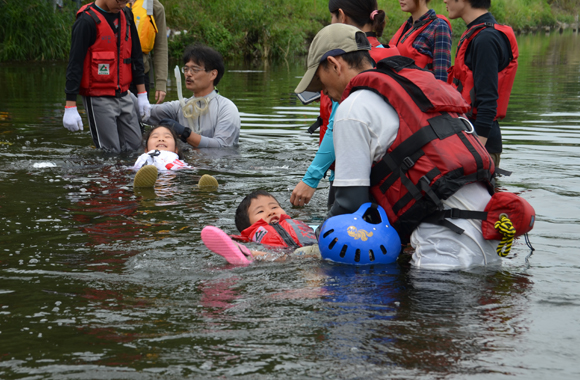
x=261, y=219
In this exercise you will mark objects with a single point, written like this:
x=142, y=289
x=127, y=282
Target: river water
x=100, y=282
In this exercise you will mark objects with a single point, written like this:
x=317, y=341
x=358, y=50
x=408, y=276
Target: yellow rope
x=506, y=228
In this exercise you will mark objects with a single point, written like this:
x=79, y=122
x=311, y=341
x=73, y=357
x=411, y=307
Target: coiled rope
x=506, y=229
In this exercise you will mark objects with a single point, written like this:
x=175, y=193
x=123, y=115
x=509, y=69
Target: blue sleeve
x=325, y=155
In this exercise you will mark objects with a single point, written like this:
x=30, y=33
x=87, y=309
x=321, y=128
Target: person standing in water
x=425, y=37
x=419, y=162
x=150, y=20
x=105, y=57
x=364, y=15
x=485, y=68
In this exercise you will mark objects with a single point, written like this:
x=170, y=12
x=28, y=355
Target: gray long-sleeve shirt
x=219, y=127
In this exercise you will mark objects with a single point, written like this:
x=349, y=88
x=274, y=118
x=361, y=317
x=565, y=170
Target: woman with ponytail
x=425, y=37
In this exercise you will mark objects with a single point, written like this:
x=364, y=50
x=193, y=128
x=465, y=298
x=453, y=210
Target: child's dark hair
x=210, y=58
x=242, y=217
x=147, y=135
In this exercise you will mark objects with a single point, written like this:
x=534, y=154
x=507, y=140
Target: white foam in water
x=44, y=165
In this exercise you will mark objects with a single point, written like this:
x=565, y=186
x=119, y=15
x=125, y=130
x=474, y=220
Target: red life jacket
x=287, y=233
x=461, y=76
x=107, y=67
x=433, y=154
x=404, y=41
x=377, y=53
x=325, y=111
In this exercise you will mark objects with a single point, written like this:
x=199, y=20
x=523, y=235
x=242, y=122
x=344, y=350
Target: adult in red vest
x=485, y=69
x=400, y=140
x=425, y=37
x=105, y=57
x=364, y=15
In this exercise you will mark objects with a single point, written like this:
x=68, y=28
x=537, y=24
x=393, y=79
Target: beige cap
x=330, y=41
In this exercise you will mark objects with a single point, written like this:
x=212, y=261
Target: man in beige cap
x=400, y=141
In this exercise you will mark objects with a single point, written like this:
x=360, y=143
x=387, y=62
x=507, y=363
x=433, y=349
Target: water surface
x=98, y=281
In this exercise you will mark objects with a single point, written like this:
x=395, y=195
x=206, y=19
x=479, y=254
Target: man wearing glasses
x=207, y=119
x=105, y=57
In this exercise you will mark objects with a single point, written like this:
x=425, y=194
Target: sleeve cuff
x=161, y=86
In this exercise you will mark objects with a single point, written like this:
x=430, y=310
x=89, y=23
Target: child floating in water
x=163, y=154
x=260, y=219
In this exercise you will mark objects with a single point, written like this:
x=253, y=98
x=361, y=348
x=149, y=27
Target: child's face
x=265, y=208
x=161, y=139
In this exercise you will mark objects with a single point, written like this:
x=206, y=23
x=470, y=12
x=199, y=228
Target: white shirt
x=365, y=126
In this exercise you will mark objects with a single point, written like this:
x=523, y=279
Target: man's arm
x=485, y=62
x=83, y=35
x=138, y=69
x=349, y=199
x=167, y=110
x=441, y=50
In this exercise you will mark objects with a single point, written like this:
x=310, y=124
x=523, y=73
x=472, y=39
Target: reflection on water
x=100, y=281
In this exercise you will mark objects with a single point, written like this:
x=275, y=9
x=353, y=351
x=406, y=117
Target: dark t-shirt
x=84, y=34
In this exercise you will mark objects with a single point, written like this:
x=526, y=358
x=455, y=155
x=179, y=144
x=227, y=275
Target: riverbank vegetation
x=31, y=30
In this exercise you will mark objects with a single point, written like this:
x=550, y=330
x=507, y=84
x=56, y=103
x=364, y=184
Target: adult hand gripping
x=72, y=120
x=182, y=132
x=302, y=194
x=144, y=106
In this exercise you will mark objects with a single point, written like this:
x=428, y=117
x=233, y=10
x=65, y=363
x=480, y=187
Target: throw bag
x=521, y=214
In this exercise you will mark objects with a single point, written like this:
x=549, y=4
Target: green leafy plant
x=33, y=30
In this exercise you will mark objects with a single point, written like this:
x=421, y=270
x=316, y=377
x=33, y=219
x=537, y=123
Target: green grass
x=30, y=30
x=251, y=29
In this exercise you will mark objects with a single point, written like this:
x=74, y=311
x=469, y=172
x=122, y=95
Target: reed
x=30, y=30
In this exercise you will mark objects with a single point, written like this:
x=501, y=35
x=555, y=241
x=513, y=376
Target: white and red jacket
x=163, y=159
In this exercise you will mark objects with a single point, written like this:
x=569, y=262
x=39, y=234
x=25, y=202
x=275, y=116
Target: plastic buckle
x=454, y=213
x=407, y=163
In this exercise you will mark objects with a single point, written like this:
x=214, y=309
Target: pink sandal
x=219, y=242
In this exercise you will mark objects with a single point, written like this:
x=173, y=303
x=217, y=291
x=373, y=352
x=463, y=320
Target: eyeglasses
x=122, y=2
x=193, y=69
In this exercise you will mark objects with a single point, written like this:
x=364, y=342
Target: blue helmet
x=363, y=238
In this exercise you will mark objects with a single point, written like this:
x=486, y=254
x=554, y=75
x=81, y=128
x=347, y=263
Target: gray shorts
x=113, y=123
